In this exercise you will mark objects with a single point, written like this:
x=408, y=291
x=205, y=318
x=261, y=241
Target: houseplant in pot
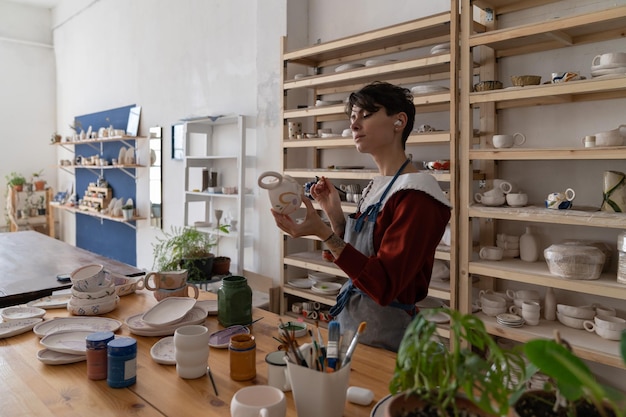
x=431, y=379
x=185, y=248
x=571, y=389
x=221, y=264
x=38, y=182
x=16, y=181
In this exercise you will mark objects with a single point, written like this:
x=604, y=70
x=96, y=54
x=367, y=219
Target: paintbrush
x=353, y=344
x=332, y=348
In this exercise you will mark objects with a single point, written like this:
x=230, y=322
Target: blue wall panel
x=108, y=238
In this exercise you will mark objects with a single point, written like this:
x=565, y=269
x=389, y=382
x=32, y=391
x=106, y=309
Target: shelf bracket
x=125, y=171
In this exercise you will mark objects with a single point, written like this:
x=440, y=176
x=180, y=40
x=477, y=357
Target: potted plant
x=221, y=264
x=185, y=248
x=431, y=379
x=571, y=389
x=40, y=205
x=38, y=181
x=128, y=211
x=16, y=181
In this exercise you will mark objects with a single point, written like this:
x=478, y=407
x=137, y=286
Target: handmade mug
x=560, y=201
x=165, y=280
x=258, y=400
x=610, y=58
x=508, y=141
x=183, y=291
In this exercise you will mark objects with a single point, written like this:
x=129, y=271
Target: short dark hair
x=393, y=98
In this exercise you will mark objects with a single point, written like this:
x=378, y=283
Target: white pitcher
x=284, y=191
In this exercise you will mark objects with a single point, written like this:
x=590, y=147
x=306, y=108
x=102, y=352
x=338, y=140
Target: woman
x=387, y=247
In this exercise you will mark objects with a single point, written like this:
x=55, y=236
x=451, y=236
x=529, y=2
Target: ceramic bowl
x=88, y=278
x=610, y=322
x=493, y=311
x=583, y=312
x=572, y=322
x=522, y=80
x=79, y=302
x=298, y=329
x=94, y=309
x=92, y=295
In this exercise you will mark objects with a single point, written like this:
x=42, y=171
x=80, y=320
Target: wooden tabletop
x=64, y=390
x=30, y=262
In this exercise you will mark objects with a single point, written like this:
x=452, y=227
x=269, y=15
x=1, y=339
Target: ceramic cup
x=523, y=295
x=191, y=344
x=177, y=292
x=505, y=185
x=508, y=141
x=607, y=327
x=165, y=280
x=530, y=312
x=611, y=58
x=89, y=278
x=493, y=311
x=318, y=393
x=560, y=201
x=517, y=199
x=490, y=253
x=490, y=200
x=589, y=141
x=491, y=300
x=258, y=401
x=277, y=371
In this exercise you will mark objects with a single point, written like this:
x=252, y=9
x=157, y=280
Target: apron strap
x=344, y=296
x=371, y=212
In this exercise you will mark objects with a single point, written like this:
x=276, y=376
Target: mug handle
x=478, y=197
x=196, y=292
x=569, y=192
x=521, y=137
x=506, y=186
x=589, y=326
x=146, y=281
x=271, y=185
x=596, y=60
x=514, y=310
x=510, y=293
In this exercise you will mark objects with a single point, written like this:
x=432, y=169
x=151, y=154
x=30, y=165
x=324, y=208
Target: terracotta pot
x=401, y=405
x=40, y=185
x=18, y=187
x=221, y=265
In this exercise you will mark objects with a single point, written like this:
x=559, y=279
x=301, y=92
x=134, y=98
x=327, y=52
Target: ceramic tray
x=93, y=324
x=70, y=341
x=15, y=327
x=164, y=352
x=137, y=326
x=22, y=312
x=50, y=357
x=168, y=311
x=51, y=301
x=221, y=338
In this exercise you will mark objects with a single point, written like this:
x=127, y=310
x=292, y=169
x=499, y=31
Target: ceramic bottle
x=549, y=305
x=528, y=246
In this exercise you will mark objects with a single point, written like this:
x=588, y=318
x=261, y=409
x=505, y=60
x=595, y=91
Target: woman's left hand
x=311, y=225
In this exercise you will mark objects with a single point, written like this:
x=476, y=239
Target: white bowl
x=92, y=295
x=572, y=322
x=88, y=277
x=103, y=306
x=583, y=312
x=610, y=322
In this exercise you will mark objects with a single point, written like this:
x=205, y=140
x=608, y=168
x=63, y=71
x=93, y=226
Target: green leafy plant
x=15, y=178
x=182, y=248
x=571, y=380
x=128, y=207
x=486, y=374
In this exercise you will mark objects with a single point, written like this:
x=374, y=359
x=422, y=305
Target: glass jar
x=242, y=351
x=122, y=362
x=96, y=354
x=234, y=302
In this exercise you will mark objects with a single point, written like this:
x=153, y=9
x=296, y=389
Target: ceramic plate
x=111, y=206
x=94, y=324
x=121, y=157
x=137, y=326
x=328, y=288
x=608, y=71
x=70, y=341
x=607, y=66
x=372, y=62
x=320, y=103
x=51, y=301
x=300, y=283
x=380, y=407
x=22, y=312
x=346, y=67
x=439, y=318
x=430, y=302
x=221, y=338
x=15, y=327
x=168, y=311
x=163, y=351
x=210, y=306
x=321, y=276
x=50, y=357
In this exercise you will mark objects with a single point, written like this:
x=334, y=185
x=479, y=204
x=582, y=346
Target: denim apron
x=385, y=324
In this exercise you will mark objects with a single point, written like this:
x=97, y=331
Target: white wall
x=27, y=94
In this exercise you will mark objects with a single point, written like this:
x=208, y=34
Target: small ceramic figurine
x=560, y=201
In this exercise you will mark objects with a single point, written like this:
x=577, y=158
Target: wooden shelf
x=322, y=143
x=549, y=154
x=554, y=33
x=592, y=217
x=96, y=214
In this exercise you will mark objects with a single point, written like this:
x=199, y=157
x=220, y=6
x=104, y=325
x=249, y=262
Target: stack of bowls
x=573, y=316
x=93, y=293
x=510, y=245
x=492, y=304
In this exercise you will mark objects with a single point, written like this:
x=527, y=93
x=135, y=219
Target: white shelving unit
x=216, y=144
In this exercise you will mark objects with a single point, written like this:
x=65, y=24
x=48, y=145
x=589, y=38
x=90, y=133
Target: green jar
x=234, y=302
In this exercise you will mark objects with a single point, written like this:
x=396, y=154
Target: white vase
x=528, y=247
x=549, y=304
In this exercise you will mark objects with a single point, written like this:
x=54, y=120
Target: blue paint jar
x=122, y=362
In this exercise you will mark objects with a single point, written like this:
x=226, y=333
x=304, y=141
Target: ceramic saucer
x=328, y=288
x=72, y=342
x=15, y=327
x=95, y=324
x=50, y=357
x=164, y=352
x=22, y=312
x=510, y=320
x=168, y=311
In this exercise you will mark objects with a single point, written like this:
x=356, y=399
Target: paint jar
x=234, y=302
x=242, y=351
x=122, y=362
x=97, y=354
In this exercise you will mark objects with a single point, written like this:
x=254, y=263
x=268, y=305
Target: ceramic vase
x=549, y=304
x=614, y=192
x=528, y=246
x=191, y=344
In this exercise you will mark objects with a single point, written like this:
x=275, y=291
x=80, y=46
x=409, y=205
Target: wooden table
x=30, y=262
x=64, y=390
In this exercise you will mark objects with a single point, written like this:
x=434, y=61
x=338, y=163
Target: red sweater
x=406, y=234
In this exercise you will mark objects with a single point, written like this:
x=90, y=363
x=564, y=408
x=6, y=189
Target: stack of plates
x=305, y=283
x=64, y=337
x=326, y=288
x=428, y=89
x=440, y=49
x=608, y=69
x=346, y=67
x=510, y=320
x=322, y=277
x=165, y=317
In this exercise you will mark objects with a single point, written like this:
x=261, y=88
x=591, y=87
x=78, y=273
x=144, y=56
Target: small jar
x=122, y=362
x=242, y=350
x=97, y=354
x=234, y=302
